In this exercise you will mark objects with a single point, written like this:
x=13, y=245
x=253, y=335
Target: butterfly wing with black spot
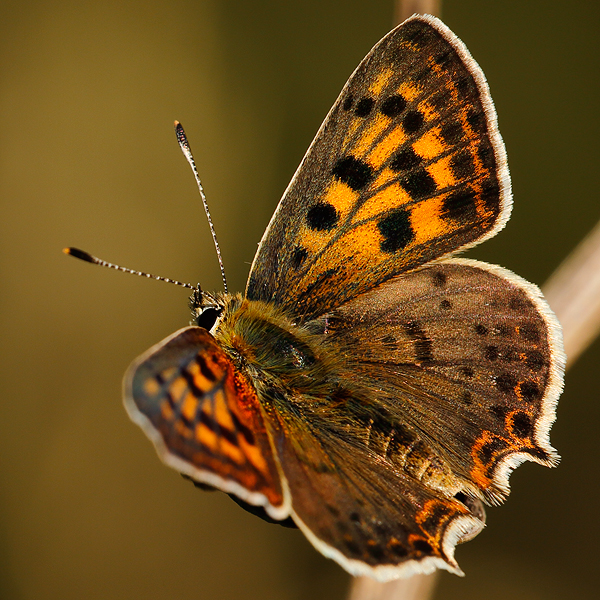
x=407, y=167
x=356, y=506
x=204, y=418
x=467, y=359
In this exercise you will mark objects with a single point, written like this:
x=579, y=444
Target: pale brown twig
x=573, y=293
x=405, y=8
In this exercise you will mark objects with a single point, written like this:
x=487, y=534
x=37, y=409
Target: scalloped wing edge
x=556, y=371
x=460, y=529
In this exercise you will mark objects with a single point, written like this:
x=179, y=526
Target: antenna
x=81, y=255
x=187, y=152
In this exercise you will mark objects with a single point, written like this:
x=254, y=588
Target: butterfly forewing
x=407, y=167
x=204, y=417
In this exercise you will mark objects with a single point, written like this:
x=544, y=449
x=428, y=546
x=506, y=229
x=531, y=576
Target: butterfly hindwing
x=467, y=358
x=204, y=418
x=356, y=505
x=407, y=167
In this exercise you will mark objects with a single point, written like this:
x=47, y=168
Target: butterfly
x=369, y=385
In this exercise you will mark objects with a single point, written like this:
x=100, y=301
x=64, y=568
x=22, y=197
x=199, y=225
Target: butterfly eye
x=207, y=317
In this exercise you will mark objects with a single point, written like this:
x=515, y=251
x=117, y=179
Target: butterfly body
x=368, y=384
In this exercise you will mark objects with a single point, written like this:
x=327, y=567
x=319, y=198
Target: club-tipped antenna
x=87, y=257
x=187, y=152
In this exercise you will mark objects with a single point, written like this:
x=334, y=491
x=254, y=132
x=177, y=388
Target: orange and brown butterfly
x=368, y=384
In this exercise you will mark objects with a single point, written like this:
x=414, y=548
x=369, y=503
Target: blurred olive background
x=88, y=94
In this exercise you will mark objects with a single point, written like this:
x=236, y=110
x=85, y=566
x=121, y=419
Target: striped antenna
x=81, y=255
x=187, y=152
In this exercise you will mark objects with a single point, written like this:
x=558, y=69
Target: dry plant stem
x=573, y=293
x=405, y=8
x=417, y=587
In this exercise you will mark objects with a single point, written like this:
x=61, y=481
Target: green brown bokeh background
x=88, y=94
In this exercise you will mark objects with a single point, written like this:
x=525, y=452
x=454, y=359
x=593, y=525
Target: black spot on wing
x=506, y=382
x=529, y=332
x=439, y=278
x=491, y=448
x=398, y=549
x=491, y=353
x=500, y=410
x=462, y=165
x=441, y=99
x=423, y=345
x=476, y=119
x=354, y=172
x=535, y=360
x=396, y=230
x=467, y=372
x=418, y=36
x=481, y=329
x=419, y=184
x=517, y=302
x=451, y=133
x=444, y=59
x=353, y=548
x=530, y=391
x=298, y=257
x=490, y=193
x=405, y=159
x=486, y=155
x=466, y=86
x=364, y=107
x=423, y=546
x=393, y=106
x=459, y=205
x=376, y=551
x=413, y=121
x=322, y=216
x=522, y=425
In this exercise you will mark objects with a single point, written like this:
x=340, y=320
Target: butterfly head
x=206, y=308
